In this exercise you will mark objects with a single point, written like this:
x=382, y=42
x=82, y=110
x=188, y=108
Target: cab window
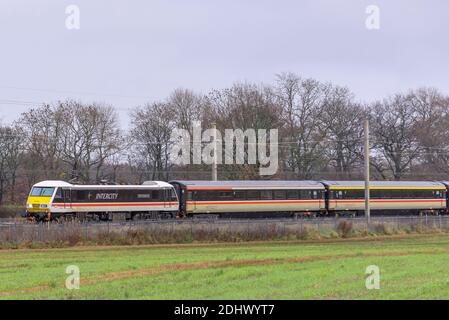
x=42, y=192
x=173, y=196
x=58, y=194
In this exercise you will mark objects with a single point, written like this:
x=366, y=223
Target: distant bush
x=344, y=228
x=11, y=211
x=382, y=228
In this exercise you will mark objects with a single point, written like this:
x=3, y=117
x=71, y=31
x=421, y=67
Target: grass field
x=412, y=267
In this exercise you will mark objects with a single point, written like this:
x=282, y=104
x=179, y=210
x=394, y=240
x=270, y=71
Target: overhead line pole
x=367, y=176
x=214, y=164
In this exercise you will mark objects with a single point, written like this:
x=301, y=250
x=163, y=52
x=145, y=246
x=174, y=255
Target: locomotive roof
x=384, y=184
x=52, y=183
x=147, y=185
x=249, y=184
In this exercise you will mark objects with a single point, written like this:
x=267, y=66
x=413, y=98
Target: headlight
x=29, y=205
x=43, y=206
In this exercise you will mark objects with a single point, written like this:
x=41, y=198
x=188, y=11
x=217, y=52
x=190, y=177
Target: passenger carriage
x=250, y=198
x=386, y=197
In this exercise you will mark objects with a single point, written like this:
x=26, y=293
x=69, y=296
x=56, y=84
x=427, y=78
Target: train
x=60, y=200
x=57, y=200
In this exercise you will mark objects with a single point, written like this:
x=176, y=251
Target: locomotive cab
x=40, y=199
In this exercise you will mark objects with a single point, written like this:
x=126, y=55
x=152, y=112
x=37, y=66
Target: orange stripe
x=252, y=202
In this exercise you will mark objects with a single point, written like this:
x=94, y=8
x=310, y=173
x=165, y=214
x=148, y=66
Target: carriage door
x=67, y=198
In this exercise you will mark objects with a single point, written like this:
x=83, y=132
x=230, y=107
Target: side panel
x=380, y=199
x=119, y=200
x=387, y=204
x=255, y=206
x=250, y=200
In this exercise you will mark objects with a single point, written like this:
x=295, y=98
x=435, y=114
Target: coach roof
x=146, y=185
x=248, y=184
x=156, y=185
x=384, y=184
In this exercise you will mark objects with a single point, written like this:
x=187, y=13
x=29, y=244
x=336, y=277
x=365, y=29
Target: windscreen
x=42, y=192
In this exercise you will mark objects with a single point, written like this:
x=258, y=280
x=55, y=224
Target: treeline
x=320, y=136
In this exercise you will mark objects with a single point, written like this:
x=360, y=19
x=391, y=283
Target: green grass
x=413, y=267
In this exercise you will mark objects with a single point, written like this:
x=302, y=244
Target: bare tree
x=151, y=130
x=42, y=129
x=244, y=106
x=432, y=128
x=11, y=150
x=90, y=135
x=303, y=103
x=344, y=122
x=394, y=123
x=186, y=108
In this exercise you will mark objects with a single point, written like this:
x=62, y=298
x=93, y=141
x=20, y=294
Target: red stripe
x=252, y=202
x=390, y=200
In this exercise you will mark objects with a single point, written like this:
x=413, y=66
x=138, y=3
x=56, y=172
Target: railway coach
x=250, y=198
x=53, y=200
x=386, y=197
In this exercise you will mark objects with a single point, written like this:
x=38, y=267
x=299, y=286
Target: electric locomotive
x=53, y=200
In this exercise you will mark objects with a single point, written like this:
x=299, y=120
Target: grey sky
x=130, y=52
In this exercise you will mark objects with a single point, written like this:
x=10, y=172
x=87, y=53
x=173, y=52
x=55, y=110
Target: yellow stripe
x=388, y=188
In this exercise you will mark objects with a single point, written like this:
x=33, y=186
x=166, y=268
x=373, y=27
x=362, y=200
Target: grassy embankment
x=412, y=267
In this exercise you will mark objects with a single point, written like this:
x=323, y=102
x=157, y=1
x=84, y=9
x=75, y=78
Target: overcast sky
x=129, y=52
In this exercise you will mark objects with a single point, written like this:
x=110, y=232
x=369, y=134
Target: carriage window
x=266, y=195
x=398, y=194
x=438, y=194
x=292, y=194
x=354, y=194
x=280, y=194
x=305, y=194
x=189, y=195
x=202, y=195
x=314, y=194
x=239, y=195
x=252, y=194
x=376, y=194
x=225, y=195
x=339, y=194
